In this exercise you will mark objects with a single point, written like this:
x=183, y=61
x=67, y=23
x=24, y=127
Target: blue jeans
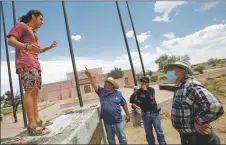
x=118, y=130
x=148, y=120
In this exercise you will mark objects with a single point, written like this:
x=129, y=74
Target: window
x=126, y=81
x=87, y=89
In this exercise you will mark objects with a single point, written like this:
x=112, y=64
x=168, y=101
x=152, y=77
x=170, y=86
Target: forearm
x=135, y=106
x=125, y=108
x=15, y=43
x=45, y=49
x=93, y=83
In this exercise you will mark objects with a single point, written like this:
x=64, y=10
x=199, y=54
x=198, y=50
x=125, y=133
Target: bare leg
x=139, y=116
x=36, y=108
x=29, y=106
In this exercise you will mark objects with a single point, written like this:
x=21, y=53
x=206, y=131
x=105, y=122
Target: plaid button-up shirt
x=192, y=102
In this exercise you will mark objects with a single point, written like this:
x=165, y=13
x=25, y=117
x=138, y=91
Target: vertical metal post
x=0, y=35
x=135, y=35
x=21, y=89
x=72, y=55
x=8, y=64
x=127, y=46
x=0, y=29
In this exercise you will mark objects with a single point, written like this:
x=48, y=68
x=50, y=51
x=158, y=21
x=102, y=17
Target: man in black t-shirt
x=135, y=105
x=150, y=112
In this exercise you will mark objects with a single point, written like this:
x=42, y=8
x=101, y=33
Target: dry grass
x=85, y=97
x=9, y=110
x=217, y=85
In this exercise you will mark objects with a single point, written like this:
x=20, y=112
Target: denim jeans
x=149, y=120
x=117, y=129
x=197, y=138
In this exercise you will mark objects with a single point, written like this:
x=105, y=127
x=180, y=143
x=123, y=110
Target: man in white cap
x=193, y=107
x=111, y=100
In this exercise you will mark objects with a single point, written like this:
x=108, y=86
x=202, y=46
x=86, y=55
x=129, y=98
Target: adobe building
x=67, y=89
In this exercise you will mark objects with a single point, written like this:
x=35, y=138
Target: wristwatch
x=26, y=45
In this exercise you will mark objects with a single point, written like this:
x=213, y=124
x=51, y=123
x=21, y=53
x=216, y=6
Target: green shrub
x=154, y=78
x=199, y=69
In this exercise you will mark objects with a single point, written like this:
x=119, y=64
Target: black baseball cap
x=145, y=79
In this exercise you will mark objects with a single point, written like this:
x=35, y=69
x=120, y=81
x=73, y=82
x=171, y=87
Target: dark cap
x=145, y=79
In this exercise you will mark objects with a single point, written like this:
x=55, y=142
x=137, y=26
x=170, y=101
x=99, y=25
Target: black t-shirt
x=147, y=99
x=134, y=99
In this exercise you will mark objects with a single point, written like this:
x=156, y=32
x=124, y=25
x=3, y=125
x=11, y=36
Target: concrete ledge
x=84, y=133
x=81, y=126
x=73, y=127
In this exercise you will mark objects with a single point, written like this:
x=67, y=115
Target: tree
x=2, y=98
x=185, y=58
x=116, y=73
x=17, y=96
x=213, y=61
x=150, y=73
x=8, y=96
x=165, y=59
x=199, y=69
x=154, y=78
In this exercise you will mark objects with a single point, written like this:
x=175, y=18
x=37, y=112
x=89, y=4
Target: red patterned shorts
x=30, y=77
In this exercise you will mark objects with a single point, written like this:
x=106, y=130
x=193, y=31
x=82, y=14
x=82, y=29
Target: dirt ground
x=136, y=134
x=217, y=86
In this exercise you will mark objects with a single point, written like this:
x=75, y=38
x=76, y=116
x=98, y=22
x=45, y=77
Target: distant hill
x=206, y=63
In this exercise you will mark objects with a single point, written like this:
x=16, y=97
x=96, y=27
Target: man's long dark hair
x=26, y=18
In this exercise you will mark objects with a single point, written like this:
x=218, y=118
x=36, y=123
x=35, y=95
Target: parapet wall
x=79, y=126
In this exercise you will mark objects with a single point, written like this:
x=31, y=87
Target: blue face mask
x=171, y=76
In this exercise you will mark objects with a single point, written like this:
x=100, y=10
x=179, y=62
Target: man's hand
x=54, y=44
x=203, y=129
x=144, y=87
x=91, y=79
x=34, y=48
x=87, y=72
x=127, y=118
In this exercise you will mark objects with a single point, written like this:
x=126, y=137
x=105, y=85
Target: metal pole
x=127, y=46
x=21, y=89
x=8, y=64
x=72, y=55
x=0, y=31
x=138, y=47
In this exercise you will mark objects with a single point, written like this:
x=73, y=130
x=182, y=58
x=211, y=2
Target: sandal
x=39, y=123
x=47, y=123
x=37, y=131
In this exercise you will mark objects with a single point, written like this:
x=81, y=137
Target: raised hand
x=54, y=44
x=87, y=72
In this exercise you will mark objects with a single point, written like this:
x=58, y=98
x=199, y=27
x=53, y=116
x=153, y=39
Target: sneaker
x=141, y=124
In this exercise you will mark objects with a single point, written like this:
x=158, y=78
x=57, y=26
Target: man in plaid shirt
x=193, y=108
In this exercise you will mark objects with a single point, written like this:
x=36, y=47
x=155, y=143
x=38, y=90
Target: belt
x=150, y=112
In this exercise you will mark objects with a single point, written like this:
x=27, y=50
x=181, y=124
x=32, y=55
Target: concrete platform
x=75, y=125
